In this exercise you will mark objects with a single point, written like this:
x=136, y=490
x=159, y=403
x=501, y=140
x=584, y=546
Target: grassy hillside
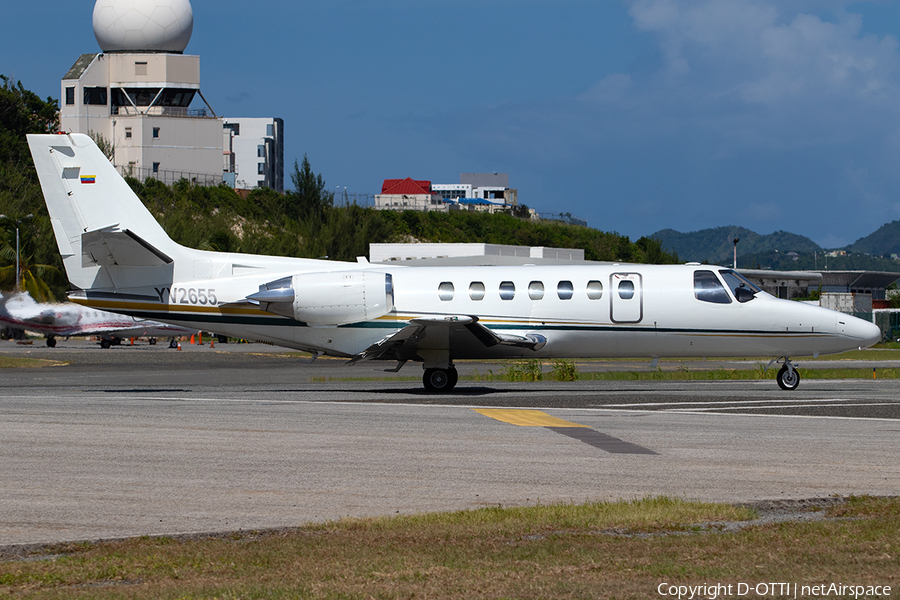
x=266, y=222
x=716, y=245
x=884, y=241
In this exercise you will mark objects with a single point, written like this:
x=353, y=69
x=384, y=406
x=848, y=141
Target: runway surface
x=144, y=441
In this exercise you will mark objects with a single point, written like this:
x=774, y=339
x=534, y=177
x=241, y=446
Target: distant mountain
x=716, y=245
x=885, y=241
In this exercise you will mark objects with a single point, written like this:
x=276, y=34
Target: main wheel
x=51, y=342
x=788, y=379
x=439, y=380
x=105, y=343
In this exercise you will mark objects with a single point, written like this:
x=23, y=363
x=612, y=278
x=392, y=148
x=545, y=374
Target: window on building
x=261, y=168
x=535, y=290
x=140, y=68
x=507, y=290
x=270, y=129
x=261, y=151
x=594, y=290
x=445, y=291
x=70, y=96
x=234, y=127
x=156, y=133
x=476, y=290
x=565, y=290
x=156, y=167
x=95, y=96
x=128, y=133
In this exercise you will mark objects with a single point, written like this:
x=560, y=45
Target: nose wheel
x=788, y=378
x=440, y=380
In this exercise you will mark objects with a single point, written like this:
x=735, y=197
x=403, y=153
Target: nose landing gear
x=788, y=377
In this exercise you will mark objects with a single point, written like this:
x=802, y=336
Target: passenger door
x=626, y=297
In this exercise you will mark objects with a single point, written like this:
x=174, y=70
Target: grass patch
x=567, y=371
x=17, y=362
x=599, y=550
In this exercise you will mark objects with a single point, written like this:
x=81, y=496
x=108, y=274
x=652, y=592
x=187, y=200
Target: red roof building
x=406, y=186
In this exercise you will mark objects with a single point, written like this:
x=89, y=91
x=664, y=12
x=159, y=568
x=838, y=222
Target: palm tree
x=31, y=274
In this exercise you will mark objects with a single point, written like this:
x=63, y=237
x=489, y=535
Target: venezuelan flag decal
x=88, y=179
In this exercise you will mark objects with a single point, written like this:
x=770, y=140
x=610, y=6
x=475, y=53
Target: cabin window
x=708, y=288
x=626, y=289
x=535, y=290
x=445, y=291
x=594, y=290
x=507, y=290
x=743, y=290
x=476, y=290
x=565, y=290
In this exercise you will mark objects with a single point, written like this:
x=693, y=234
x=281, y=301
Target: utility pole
x=17, y=222
x=736, y=240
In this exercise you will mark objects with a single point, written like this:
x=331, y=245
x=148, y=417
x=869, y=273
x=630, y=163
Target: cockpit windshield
x=742, y=288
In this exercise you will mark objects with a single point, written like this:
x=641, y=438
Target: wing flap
x=405, y=344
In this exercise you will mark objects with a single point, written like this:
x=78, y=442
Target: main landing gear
x=788, y=377
x=440, y=380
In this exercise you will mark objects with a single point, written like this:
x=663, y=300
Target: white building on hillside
x=254, y=152
x=141, y=99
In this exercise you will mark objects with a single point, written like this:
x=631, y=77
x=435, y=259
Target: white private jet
x=119, y=258
x=65, y=319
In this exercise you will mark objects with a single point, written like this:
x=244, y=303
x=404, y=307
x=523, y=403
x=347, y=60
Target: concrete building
x=483, y=192
x=409, y=194
x=254, y=152
x=473, y=254
x=141, y=100
x=142, y=105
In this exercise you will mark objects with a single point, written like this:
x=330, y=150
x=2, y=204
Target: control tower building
x=140, y=98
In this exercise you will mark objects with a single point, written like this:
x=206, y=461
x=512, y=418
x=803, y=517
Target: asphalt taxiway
x=144, y=441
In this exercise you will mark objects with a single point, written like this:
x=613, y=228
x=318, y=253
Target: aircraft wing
x=425, y=335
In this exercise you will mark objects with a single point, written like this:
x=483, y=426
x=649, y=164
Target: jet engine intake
x=333, y=298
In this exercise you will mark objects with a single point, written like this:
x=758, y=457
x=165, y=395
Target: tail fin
x=102, y=228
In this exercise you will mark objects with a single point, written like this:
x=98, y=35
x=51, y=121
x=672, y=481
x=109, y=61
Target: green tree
x=32, y=274
x=309, y=198
x=23, y=112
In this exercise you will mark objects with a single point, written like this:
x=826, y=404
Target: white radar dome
x=143, y=25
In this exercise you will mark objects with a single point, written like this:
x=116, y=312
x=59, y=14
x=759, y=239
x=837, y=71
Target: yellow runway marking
x=525, y=418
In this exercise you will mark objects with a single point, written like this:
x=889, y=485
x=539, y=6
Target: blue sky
x=637, y=115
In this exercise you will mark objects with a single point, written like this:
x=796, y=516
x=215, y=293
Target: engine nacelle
x=333, y=298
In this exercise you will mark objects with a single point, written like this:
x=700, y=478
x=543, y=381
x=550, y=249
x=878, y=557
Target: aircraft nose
x=866, y=332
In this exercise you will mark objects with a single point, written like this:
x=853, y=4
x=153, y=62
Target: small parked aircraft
x=119, y=258
x=66, y=319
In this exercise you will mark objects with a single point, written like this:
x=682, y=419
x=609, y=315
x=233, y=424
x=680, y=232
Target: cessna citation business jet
x=118, y=258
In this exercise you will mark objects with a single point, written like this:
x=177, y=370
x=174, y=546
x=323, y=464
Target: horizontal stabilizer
x=112, y=246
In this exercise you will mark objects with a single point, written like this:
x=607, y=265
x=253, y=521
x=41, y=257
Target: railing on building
x=163, y=111
x=168, y=176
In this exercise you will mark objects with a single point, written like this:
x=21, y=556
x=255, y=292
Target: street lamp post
x=18, y=222
x=736, y=240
